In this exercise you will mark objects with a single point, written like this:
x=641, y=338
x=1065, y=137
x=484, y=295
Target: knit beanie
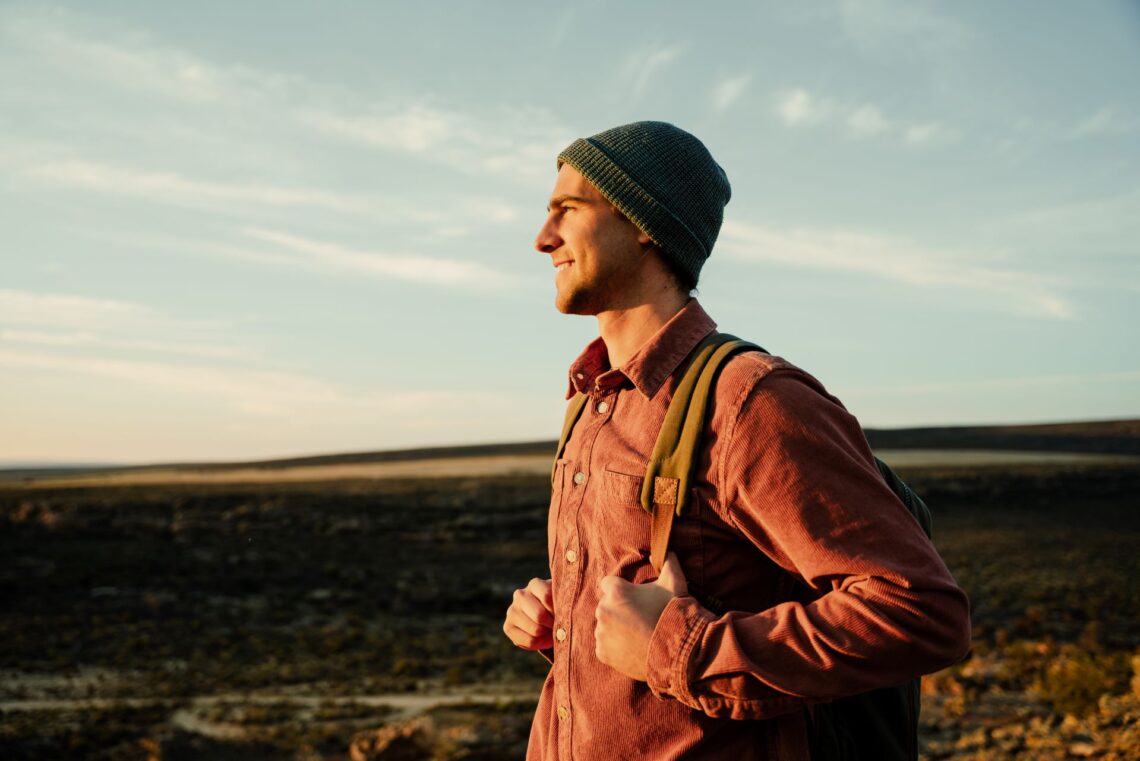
x=664, y=180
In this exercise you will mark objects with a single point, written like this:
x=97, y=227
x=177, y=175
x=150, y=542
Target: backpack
x=881, y=724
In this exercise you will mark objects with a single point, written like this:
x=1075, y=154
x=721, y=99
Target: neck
x=627, y=330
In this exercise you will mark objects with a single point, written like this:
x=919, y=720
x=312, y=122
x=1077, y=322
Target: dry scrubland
x=298, y=619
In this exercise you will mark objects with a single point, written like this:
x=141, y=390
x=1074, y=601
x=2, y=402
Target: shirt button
x=602, y=407
x=563, y=713
x=571, y=556
x=579, y=477
x=560, y=634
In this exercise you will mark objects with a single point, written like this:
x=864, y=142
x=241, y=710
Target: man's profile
x=796, y=576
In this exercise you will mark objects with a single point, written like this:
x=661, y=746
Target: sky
x=234, y=231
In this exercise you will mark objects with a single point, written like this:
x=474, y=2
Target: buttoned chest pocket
x=622, y=537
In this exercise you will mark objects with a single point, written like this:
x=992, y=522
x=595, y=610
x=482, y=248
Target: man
x=796, y=576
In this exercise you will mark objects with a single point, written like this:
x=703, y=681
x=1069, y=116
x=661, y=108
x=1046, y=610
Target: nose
x=548, y=241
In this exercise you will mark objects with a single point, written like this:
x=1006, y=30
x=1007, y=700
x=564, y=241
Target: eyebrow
x=559, y=200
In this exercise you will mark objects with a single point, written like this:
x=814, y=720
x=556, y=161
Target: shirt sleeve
x=797, y=478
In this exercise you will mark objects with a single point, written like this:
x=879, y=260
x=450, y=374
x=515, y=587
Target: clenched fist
x=531, y=616
x=627, y=614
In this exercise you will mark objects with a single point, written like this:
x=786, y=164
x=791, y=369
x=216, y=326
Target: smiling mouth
x=562, y=266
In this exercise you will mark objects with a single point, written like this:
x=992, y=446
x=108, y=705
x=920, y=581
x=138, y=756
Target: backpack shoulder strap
x=665, y=489
x=573, y=412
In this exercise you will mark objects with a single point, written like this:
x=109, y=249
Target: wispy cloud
x=64, y=322
x=520, y=144
x=57, y=309
x=90, y=340
x=1106, y=122
x=798, y=108
x=644, y=64
x=511, y=142
x=171, y=187
x=881, y=25
x=895, y=260
x=251, y=392
x=928, y=132
x=1106, y=227
x=416, y=269
x=867, y=121
x=727, y=91
x=109, y=53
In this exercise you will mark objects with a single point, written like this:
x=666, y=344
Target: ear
x=644, y=239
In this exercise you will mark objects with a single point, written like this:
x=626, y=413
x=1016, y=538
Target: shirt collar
x=653, y=363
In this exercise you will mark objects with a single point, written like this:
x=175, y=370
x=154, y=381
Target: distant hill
x=1116, y=437
x=1100, y=437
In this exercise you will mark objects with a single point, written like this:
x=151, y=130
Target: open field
x=494, y=466
x=284, y=619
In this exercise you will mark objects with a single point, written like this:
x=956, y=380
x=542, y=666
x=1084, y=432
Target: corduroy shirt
x=809, y=579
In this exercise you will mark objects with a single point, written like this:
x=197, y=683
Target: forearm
x=864, y=635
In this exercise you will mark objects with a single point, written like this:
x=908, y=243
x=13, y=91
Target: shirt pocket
x=624, y=529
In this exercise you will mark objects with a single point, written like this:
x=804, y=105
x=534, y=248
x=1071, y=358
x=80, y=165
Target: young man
x=823, y=584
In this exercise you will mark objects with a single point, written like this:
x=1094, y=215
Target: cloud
x=87, y=339
x=520, y=144
x=57, y=309
x=645, y=64
x=171, y=187
x=109, y=53
x=882, y=25
x=926, y=133
x=256, y=115
x=728, y=91
x=416, y=130
x=1105, y=227
x=867, y=121
x=416, y=269
x=798, y=108
x=1106, y=122
x=67, y=321
x=251, y=392
x=895, y=260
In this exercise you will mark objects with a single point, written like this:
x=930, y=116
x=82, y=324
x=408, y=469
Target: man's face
x=598, y=254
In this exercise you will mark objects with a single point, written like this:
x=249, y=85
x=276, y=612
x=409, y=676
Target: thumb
x=672, y=577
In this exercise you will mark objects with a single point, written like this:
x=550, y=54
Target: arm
x=797, y=479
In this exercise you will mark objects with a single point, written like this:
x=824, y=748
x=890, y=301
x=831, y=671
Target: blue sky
x=244, y=230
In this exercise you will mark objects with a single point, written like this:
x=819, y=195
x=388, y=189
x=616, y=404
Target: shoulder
x=750, y=374
x=766, y=401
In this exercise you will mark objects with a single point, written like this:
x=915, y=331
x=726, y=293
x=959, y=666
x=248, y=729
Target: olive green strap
x=573, y=412
x=665, y=490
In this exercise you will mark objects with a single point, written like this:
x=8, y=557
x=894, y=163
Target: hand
x=531, y=616
x=627, y=614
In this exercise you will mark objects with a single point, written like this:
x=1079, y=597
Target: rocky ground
x=361, y=619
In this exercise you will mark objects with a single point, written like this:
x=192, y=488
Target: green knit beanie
x=664, y=180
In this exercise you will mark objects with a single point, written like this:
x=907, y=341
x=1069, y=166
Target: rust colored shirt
x=824, y=583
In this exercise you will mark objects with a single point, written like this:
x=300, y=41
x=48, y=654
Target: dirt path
x=403, y=703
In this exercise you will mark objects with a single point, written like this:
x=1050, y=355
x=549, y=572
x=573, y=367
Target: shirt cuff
x=671, y=645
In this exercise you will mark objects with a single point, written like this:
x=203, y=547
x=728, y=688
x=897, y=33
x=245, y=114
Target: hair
x=680, y=277
x=683, y=280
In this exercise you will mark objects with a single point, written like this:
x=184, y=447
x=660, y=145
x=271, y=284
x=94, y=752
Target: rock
x=1083, y=750
x=409, y=741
